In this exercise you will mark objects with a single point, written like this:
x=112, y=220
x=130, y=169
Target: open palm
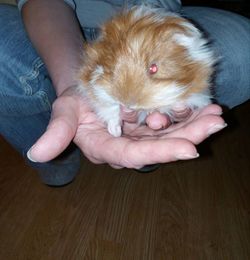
x=72, y=119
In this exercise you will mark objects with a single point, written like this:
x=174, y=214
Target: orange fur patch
x=129, y=45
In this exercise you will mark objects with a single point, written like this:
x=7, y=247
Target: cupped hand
x=73, y=119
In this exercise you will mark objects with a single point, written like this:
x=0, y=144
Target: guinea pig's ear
x=171, y=26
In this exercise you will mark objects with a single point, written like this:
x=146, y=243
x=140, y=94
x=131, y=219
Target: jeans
x=229, y=34
x=27, y=94
x=26, y=97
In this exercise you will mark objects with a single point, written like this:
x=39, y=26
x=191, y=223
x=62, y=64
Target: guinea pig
x=146, y=60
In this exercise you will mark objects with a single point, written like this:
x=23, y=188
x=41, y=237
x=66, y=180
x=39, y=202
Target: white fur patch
x=102, y=95
x=196, y=45
x=108, y=110
x=198, y=100
x=165, y=99
x=95, y=75
x=168, y=95
x=196, y=48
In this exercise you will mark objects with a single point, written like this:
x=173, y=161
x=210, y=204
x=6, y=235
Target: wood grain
x=186, y=210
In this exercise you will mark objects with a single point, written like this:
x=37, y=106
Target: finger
x=115, y=166
x=212, y=109
x=58, y=135
x=146, y=132
x=158, y=121
x=180, y=115
x=145, y=152
x=199, y=129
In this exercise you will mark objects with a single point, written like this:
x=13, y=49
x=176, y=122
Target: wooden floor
x=198, y=209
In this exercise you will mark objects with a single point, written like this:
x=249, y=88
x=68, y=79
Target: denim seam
x=36, y=65
x=44, y=97
x=28, y=90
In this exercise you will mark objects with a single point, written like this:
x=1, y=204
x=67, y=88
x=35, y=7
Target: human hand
x=72, y=119
x=156, y=120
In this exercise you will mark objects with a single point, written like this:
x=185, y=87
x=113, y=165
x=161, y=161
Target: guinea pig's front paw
x=114, y=129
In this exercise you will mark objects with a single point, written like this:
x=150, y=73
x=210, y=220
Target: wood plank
x=195, y=209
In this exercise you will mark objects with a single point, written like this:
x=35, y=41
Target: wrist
x=65, y=86
x=71, y=90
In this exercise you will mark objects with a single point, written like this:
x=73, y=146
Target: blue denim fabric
x=26, y=91
x=26, y=96
x=229, y=34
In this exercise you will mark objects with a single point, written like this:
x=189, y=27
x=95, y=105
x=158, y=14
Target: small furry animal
x=146, y=60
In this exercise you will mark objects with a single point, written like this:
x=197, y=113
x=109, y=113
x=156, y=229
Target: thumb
x=60, y=132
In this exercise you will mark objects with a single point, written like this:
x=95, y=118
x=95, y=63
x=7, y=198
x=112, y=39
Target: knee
x=230, y=37
x=233, y=77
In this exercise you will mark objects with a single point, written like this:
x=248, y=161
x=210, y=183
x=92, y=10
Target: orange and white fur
x=146, y=60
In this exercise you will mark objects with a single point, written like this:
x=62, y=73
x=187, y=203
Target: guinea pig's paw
x=114, y=129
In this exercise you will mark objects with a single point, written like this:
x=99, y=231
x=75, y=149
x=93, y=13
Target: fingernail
x=29, y=155
x=156, y=126
x=185, y=156
x=216, y=128
x=219, y=113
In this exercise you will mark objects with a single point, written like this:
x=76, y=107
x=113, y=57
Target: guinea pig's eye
x=153, y=68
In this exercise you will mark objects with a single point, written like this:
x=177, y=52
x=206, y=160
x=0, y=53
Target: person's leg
x=26, y=95
x=230, y=38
